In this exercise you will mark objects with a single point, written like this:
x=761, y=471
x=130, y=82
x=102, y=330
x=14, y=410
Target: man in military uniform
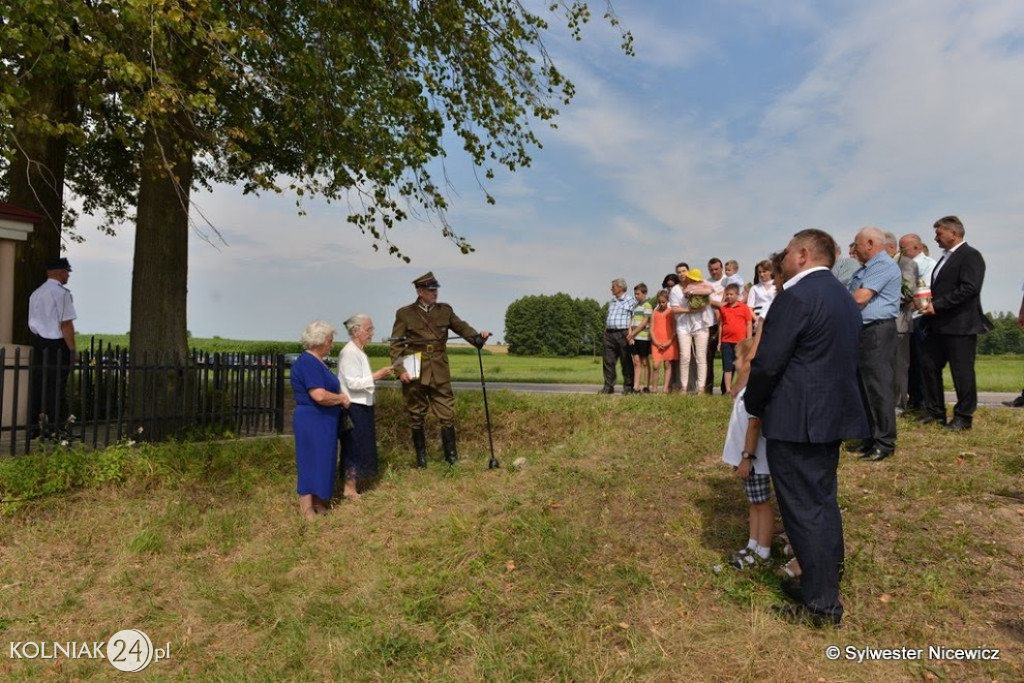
x=423, y=327
x=51, y=320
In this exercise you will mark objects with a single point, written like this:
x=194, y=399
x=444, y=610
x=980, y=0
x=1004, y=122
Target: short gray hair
x=316, y=334
x=619, y=282
x=890, y=239
x=356, y=322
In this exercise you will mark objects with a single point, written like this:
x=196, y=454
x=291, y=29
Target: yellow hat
x=695, y=275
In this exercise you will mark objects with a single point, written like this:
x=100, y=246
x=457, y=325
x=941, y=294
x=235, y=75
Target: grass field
x=590, y=562
x=995, y=373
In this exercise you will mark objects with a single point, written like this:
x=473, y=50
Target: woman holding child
x=694, y=319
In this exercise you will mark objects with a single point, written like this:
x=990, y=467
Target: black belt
x=624, y=329
x=878, y=322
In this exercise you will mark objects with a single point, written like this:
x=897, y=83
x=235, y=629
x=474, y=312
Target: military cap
x=58, y=264
x=426, y=281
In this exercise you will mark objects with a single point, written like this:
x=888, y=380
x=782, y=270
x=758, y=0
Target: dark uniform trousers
x=51, y=365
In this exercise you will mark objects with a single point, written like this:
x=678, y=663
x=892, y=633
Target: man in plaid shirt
x=616, y=347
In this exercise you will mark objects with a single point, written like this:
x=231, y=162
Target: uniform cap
x=426, y=281
x=58, y=264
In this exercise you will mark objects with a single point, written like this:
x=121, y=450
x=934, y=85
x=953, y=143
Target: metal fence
x=110, y=396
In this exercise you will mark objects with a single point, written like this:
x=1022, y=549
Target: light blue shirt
x=882, y=276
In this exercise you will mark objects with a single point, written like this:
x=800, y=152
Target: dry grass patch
x=592, y=562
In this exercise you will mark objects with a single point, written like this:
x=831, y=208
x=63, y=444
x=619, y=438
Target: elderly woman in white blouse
x=358, y=439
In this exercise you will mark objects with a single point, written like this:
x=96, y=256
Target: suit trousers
x=805, y=481
x=915, y=379
x=875, y=371
x=901, y=383
x=616, y=349
x=958, y=350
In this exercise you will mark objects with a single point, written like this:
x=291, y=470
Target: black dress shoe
x=860, y=446
x=607, y=390
x=791, y=588
x=957, y=425
x=876, y=454
x=930, y=419
x=802, y=614
x=1015, y=403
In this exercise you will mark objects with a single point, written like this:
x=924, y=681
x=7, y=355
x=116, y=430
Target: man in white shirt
x=51, y=320
x=717, y=280
x=911, y=245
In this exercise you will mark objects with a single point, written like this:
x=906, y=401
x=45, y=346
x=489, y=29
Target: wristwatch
x=747, y=455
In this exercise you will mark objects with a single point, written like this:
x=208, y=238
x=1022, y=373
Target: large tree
x=348, y=101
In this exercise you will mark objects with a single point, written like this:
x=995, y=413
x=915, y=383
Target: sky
x=736, y=124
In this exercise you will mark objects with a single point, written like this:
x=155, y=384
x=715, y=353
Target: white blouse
x=355, y=374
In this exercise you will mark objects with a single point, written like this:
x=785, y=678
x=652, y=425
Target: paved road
x=985, y=398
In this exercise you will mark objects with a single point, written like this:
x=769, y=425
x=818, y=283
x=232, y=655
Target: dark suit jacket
x=956, y=294
x=803, y=380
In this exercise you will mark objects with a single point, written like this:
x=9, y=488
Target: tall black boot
x=419, y=442
x=451, y=454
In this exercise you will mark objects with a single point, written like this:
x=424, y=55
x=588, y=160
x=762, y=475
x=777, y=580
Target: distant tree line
x=1005, y=338
x=558, y=325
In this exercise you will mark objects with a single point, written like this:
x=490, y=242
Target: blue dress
x=315, y=427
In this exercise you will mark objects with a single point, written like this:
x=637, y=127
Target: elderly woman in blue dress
x=318, y=404
x=359, y=442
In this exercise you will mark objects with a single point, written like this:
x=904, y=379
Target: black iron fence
x=105, y=396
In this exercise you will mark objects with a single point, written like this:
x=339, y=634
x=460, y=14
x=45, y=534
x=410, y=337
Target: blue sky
x=737, y=123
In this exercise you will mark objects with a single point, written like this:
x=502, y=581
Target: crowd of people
x=819, y=348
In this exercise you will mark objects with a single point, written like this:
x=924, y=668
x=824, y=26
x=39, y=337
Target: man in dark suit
x=803, y=386
x=952, y=324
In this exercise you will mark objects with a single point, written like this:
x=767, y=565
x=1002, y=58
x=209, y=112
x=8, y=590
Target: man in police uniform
x=51, y=320
x=423, y=327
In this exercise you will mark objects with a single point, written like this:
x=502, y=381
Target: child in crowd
x=745, y=449
x=732, y=269
x=736, y=325
x=762, y=293
x=639, y=339
x=664, y=349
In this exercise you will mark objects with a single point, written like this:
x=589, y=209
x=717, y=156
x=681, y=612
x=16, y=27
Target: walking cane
x=493, y=463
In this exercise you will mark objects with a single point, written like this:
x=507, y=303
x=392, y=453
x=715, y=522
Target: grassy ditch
x=592, y=561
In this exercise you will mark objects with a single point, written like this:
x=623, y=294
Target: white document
x=411, y=364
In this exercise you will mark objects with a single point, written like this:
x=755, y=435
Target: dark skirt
x=359, y=445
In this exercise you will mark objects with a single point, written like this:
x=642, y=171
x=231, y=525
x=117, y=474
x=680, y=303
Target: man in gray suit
x=904, y=321
x=803, y=386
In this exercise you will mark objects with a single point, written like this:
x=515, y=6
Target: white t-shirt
x=736, y=438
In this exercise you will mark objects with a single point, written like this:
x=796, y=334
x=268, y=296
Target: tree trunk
x=159, y=342
x=36, y=182
x=160, y=271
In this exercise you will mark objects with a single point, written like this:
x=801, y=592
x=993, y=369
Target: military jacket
x=427, y=332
